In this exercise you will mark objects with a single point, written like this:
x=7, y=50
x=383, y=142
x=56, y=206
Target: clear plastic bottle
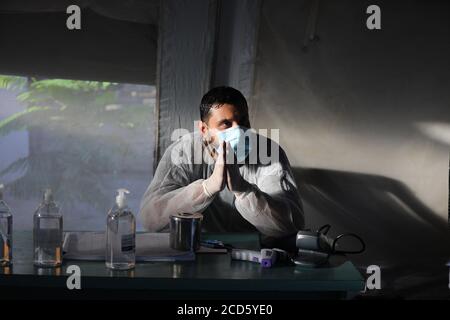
x=5, y=232
x=48, y=233
x=120, y=235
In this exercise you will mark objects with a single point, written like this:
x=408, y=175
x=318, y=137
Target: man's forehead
x=223, y=111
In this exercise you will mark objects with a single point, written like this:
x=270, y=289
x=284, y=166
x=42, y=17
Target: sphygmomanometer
x=315, y=247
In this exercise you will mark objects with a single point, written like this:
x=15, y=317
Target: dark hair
x=221, y=95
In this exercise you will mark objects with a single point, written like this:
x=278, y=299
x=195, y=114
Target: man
x=231, y=185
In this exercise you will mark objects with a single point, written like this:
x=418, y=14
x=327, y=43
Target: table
x=209, y=276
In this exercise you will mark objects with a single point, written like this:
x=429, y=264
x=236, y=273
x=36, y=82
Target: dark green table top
x=209, y=272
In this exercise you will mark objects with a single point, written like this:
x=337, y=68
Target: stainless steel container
x=185, y=231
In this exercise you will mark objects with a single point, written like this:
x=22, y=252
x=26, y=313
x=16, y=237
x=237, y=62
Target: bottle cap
x=48, y=196
x=121, y=198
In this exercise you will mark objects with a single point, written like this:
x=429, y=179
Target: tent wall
x=139, y=11
x=364, y=118
x=238, y=24
x=186, y=51
x=116, y=44
x=202, y=43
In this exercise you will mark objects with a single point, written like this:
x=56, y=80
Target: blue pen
x=212, y=244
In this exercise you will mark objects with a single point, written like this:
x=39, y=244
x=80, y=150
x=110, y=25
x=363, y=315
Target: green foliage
x=12, y=82
x=19, y=121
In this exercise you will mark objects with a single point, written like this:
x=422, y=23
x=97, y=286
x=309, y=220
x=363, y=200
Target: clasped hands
x=226, y=173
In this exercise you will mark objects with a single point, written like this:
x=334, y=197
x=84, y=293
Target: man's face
x=220, y=118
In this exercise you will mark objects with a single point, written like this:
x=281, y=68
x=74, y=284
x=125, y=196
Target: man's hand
x=234, y=180
x=216, y=182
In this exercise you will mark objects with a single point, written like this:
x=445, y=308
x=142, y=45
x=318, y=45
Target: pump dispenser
x=121, y=199
x=5, y=231
x=120, y=235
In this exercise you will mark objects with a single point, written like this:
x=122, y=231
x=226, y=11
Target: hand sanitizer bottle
x=48, y=233
x=121, y=235
x=5, y=232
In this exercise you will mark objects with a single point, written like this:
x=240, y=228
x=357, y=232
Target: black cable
x=327, y=228
x=333, y=246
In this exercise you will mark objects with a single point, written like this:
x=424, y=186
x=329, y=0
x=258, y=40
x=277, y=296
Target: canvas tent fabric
x=202, y=44
x=116, y=43
x=138, y=11
x=356, y=112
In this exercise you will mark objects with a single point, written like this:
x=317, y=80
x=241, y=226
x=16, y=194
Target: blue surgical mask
x=236, y=136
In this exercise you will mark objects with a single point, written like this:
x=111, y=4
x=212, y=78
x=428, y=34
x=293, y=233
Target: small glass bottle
x=5, y=232
x=120, y=235
x=48, y=233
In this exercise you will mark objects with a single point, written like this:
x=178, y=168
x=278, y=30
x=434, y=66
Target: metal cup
x=185, y=231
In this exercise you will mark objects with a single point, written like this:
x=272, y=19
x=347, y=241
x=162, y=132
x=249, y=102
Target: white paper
x=87, y=245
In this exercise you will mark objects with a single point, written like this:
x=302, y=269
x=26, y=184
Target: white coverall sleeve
x=171, y=192
x=273, y=205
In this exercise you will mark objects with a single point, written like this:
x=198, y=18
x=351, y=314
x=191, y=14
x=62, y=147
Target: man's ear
x=202, y=127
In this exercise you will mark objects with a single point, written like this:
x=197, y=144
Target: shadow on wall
x=398, y=228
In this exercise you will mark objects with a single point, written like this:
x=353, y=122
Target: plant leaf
x=12, y=82
x=16, y=121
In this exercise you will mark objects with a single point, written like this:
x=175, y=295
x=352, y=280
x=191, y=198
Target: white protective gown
x=272, y=205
